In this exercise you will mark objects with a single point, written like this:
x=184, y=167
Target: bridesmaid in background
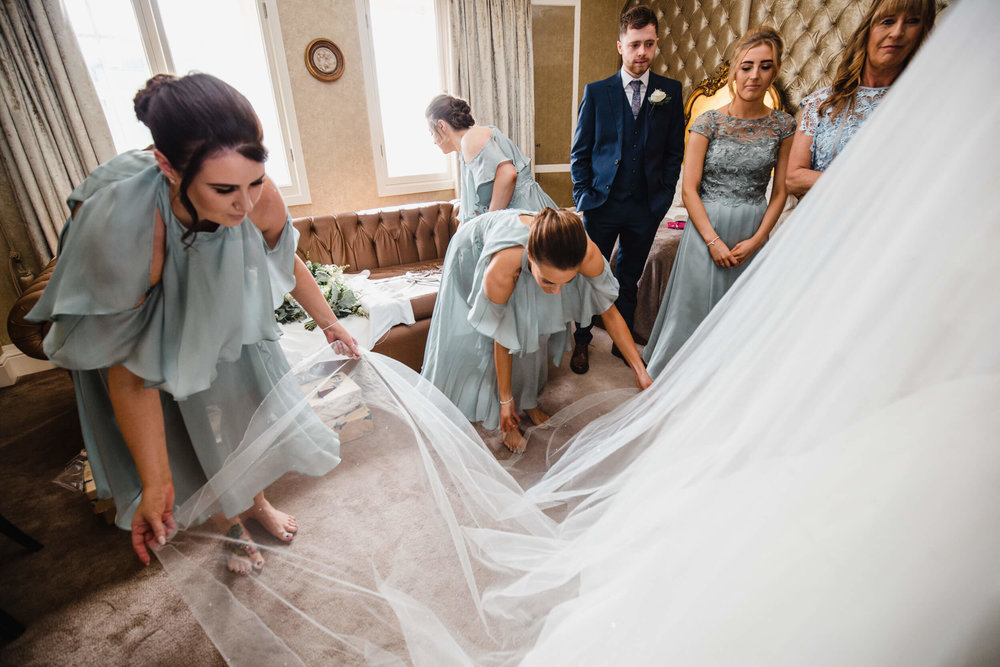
x=730, y=155
x=513, y=284
x=875, y=55
x=495, y=173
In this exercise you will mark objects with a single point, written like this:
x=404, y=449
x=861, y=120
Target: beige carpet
x=85, y=598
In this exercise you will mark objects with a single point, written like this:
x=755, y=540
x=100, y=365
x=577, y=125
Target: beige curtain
x=53, y=129
x=491, y=52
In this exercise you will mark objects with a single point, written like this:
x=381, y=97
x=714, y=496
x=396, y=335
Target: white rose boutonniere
x=658, y=97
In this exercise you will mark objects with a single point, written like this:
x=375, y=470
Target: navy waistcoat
x=630, y=181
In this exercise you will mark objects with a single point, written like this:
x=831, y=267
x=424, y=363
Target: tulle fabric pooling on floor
x=815, y=478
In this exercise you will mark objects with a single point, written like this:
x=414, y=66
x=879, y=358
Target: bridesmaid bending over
x=730, y=156
x=513, y=284
x=162, y=306
x=495, y=173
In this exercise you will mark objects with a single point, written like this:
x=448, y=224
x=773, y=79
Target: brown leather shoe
x=579, y=363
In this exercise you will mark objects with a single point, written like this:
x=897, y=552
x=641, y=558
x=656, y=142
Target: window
x=404, y=67
x=124, y=42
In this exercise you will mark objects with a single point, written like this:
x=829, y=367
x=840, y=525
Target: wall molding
x=15, y=364
x=575, y=104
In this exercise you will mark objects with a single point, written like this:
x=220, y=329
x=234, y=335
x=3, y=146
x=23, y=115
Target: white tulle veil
x=814, y=479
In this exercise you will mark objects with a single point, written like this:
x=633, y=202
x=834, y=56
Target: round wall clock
x=324, y=60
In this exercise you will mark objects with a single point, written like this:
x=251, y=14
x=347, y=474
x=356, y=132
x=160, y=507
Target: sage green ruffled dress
x=204, y=335
x=532, y=324
x=479, y=173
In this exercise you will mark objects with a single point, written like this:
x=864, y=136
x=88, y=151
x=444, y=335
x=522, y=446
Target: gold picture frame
x=324, y=60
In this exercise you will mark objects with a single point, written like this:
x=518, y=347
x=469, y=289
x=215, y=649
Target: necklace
x=729, y=112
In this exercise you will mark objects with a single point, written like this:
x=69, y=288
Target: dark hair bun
x=460, y=107
x=452, y=110
x=144, y=97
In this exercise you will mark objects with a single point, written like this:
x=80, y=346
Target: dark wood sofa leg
x=10, y=628
x=19, y=536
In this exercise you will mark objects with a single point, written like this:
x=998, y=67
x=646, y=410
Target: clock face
x=325, y=60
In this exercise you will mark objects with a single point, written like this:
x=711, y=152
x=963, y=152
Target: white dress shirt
x=627, y=81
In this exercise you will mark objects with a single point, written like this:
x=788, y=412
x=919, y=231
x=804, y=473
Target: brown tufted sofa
x=27, y=336
x=387, y=242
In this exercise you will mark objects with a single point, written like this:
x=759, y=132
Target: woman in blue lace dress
x=162, y=306
x=730, y=155
x=513, y=284
x=875, y=55
x=495, y=173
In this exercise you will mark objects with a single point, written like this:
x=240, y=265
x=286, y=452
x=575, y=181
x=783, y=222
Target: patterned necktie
x=636, y=97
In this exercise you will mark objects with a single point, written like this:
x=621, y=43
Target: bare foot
x=514, y=441
x=536, y=416
x=244, y=557
x=281, y=525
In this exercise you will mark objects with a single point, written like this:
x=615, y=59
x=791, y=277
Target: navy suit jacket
x=597, y=144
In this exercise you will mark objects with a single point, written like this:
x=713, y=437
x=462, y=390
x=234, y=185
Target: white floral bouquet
x=341, y=298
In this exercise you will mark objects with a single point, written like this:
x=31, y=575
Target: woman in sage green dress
x=731, y=153
x=513, y=283
x=162, y=306
x=495, y=173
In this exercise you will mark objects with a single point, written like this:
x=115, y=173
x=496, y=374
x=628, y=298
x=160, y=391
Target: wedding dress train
x=813, y=479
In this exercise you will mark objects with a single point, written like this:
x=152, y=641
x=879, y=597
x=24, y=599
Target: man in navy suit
x=626, y=157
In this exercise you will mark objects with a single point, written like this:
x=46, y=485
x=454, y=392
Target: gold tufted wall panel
x=695, y=37
x=815, y=32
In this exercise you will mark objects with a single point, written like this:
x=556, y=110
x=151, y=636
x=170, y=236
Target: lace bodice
x=829, y=136
x=741, y=154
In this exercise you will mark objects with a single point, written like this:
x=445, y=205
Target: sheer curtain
x=491, y=48
x=53, y=128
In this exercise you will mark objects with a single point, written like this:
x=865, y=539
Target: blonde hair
x=557, y=238
x=852, y=64
x=751, y=38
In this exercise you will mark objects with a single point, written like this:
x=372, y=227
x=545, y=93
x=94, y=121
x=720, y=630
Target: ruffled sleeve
x=531, y=315
x=483, y=166
x=99, y=292
x=116, y=169
x=510, y=150
x=281, y=262
x=107, y=252
x=497, y=321
x=217, y=291
x=584, y=297
x=535, y=316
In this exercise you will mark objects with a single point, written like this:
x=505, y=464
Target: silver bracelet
x=709, y=244
x=509, y=400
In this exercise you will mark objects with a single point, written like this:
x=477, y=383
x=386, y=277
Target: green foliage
x=341, y=298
